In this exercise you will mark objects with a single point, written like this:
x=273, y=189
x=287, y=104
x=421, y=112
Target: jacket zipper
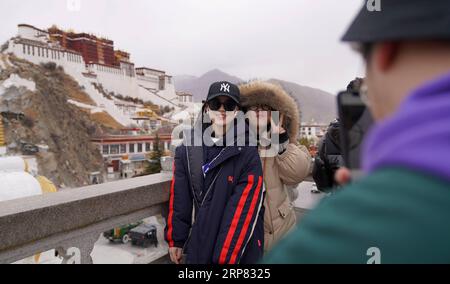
x=210, y=186
x=189, y=171
x=195, y=197
x=201, y=205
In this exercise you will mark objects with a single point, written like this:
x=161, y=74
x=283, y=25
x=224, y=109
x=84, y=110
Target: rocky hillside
x=61, y=130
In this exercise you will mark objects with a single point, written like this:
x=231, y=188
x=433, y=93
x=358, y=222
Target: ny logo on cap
x=225, y=87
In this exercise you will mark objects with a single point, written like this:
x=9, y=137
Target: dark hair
x=355, y=85
x=366, y=50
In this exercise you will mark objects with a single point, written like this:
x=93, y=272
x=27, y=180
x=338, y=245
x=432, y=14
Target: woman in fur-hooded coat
x=288, y=166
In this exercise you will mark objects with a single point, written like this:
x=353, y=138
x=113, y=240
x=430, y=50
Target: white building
x=128, y=153
x=158, y=85
x=184, y=98
x=188, y=114
x=313, y=130
x=147, y=84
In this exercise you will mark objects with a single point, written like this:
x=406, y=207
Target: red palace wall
x=93, y=49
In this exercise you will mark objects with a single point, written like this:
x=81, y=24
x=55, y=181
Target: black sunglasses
x=228, y=105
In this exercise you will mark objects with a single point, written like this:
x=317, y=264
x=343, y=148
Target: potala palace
x=92, y=61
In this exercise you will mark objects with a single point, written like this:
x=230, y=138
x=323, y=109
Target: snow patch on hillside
x=93, y=109
x=15, y=81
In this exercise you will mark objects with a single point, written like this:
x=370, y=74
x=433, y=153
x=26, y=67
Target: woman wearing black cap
x=215, y=207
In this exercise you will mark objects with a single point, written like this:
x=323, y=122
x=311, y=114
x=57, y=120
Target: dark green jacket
x=405, y=214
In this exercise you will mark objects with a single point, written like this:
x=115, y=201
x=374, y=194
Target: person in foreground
x=215, y=206
x=398, y=212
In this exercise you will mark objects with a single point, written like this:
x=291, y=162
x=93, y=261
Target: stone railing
x=71, y=221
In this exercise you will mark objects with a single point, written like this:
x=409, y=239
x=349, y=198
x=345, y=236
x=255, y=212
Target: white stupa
x=18, y=180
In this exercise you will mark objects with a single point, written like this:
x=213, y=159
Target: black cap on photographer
x=224, y=88
x=400, y=20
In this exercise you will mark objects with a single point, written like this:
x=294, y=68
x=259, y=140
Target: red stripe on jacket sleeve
x=235, y=220
x=170, y=218
x=247, y=222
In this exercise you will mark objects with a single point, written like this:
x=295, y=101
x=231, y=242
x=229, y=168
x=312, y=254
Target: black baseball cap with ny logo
x=224, y=88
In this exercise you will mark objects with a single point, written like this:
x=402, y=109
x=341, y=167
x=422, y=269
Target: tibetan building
x=93, y=49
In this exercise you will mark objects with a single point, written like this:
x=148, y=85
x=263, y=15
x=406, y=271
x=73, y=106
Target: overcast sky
x=294, y=40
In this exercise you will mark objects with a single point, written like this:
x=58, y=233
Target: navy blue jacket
x=228, y=216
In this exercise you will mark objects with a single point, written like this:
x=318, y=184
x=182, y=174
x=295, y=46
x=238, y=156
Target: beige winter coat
x=281, y=172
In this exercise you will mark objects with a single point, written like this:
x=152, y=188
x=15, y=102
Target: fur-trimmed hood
x=265, y=93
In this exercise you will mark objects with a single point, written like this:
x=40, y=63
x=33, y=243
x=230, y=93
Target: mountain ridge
x=315, y=104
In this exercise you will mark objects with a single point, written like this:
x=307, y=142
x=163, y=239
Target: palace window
x=131, y=147
x=105, y=149
x=123, y=148
x=162, y=81
x=147, y=147
x=140, y=148
x=114, y=150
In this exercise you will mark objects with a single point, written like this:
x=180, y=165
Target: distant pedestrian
x=328, y=159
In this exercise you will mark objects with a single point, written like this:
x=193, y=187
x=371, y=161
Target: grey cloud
x=295, y=40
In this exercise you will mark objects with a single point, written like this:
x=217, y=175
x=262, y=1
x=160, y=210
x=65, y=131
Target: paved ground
x=307, y=199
